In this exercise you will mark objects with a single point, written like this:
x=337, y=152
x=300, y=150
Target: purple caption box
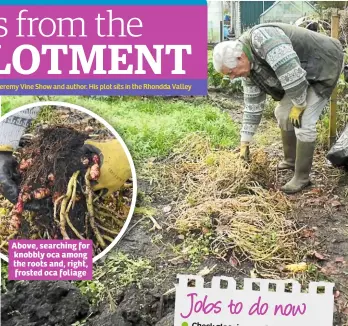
x=50, y=260
x=104, y=50
x=96, y=25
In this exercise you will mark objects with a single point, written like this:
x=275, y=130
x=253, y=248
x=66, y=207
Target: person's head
x=230, y=60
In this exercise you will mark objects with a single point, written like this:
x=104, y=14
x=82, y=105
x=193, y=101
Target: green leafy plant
x=93, y=290
x=194, y=249
x=126, y=270
x=5, y=107
x=119, y=271
x=214, y=78
x=4, y=276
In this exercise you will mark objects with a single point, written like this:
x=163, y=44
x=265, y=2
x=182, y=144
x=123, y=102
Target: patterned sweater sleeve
x=274, y=46
x=13, y=127
x=254, y=102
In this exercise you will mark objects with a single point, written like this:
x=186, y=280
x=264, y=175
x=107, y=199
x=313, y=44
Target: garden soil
x=321, y=210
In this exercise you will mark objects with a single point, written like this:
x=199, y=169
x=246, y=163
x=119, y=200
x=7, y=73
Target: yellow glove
x=245, y=151
x=114, y=165
x=295, y=116
x=6, y=148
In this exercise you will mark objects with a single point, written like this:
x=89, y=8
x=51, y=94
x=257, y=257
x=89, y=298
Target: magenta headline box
x=50, y=260
x=128, y=46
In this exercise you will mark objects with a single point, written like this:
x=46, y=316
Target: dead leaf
x=308, y=233
x=336, y=294
x=316, y=191
x=329, y=269
x=314, y=202
x=339, y=260
x=318, y=256
x=335, y=203
x=205, y=271
x=177, y=260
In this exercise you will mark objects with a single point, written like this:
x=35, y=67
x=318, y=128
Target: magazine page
x=173, y=163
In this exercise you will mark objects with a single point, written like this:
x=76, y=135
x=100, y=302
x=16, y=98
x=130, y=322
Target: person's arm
x=275, y=47
x=11, y=131
x=254, y=103
x=13, y=127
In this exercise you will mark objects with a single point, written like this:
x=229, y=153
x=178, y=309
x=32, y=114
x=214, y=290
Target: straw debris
x=237, y=202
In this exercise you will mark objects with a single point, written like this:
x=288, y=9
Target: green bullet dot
x=184, y=324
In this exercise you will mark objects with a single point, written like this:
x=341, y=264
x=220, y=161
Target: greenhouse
x=287, y=12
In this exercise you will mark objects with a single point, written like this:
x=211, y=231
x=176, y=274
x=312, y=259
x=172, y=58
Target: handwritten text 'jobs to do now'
x=235, y=307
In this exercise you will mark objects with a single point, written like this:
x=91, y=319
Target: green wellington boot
x=303, y=166
x=289, y=147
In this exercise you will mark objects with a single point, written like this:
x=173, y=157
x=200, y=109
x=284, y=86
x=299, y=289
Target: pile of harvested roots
x=216, y=192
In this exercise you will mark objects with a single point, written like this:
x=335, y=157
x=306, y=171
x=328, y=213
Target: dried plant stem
x=56, y=208
x=90, y=208
x=107, y=230
x=64, y=206
x=108, y=238
x=11, y=236
x=112, y=216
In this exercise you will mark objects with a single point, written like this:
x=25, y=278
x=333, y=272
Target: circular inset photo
x=65, y=173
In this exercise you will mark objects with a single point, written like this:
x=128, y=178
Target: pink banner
x=50, y=260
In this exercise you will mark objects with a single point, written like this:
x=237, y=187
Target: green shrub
x=216, y=80
x=5, y=107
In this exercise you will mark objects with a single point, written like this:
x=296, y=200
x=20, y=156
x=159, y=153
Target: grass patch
x=5, y=107
x=118, y=271
x=268, y=134
x=152, y=127
x=194, y=249
x=47, y=115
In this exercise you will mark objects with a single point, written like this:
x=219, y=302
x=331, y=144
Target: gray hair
x=225, y=54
